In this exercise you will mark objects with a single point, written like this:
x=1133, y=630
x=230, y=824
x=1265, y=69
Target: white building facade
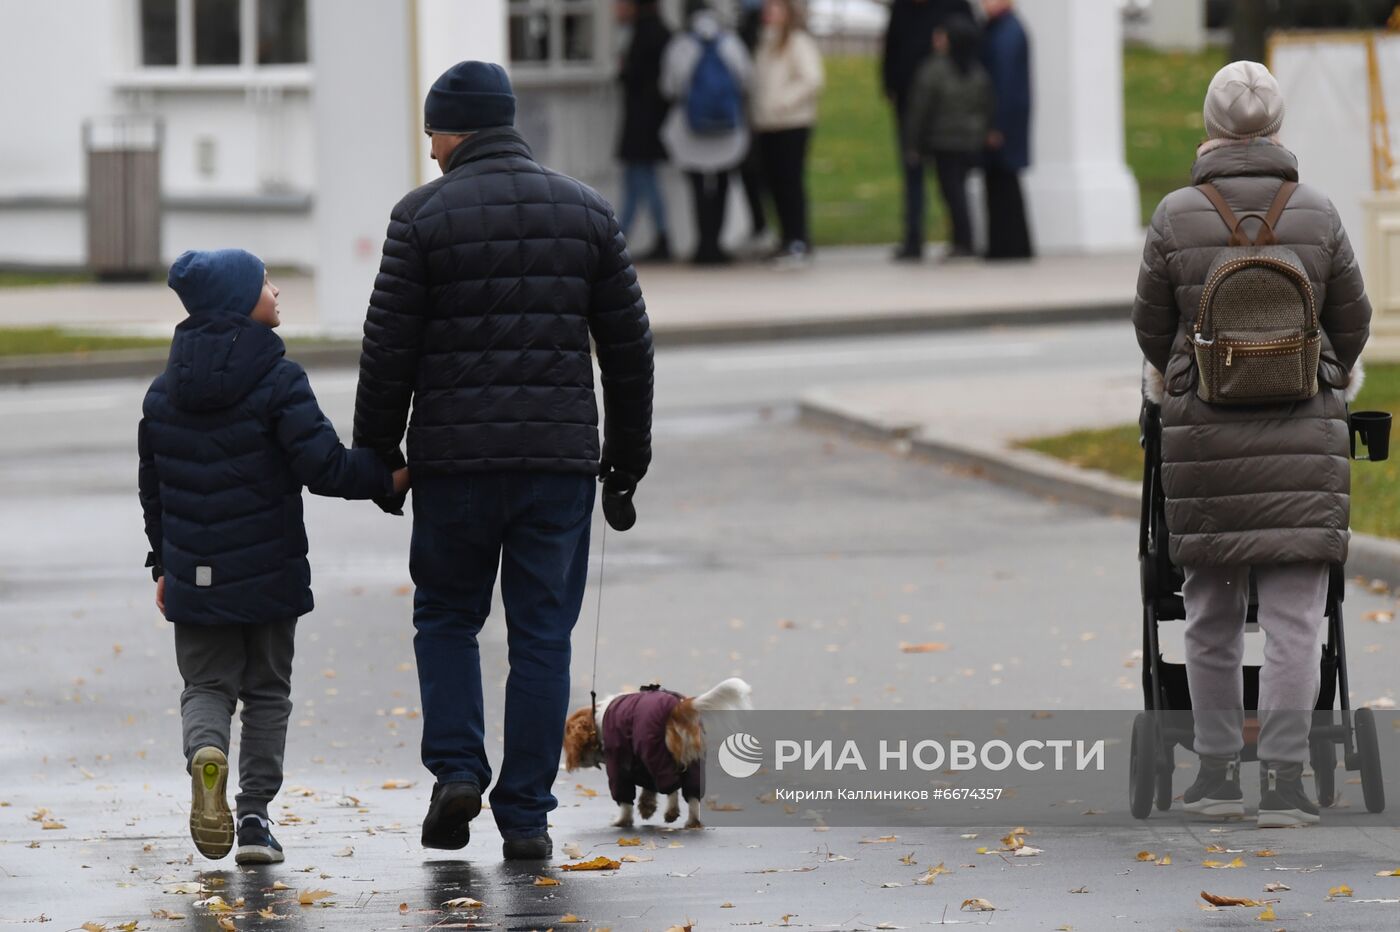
x=290, y=127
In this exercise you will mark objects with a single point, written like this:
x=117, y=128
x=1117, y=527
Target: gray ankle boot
x=1216, y=792
x=1283, y=803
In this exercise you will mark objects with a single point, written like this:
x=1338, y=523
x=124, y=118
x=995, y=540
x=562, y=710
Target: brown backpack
x=1256, y=336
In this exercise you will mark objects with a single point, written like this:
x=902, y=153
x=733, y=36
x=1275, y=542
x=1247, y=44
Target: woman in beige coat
x=787, y=81
x=1258, y=487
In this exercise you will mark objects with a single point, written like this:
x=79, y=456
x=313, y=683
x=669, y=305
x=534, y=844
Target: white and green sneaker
x=211, y=822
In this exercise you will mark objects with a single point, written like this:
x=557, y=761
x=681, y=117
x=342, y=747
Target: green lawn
x=26, y=341
x=1375, y=486
x=854, y=175
x=1162, y=94
x=14, y=278
x=853, y=178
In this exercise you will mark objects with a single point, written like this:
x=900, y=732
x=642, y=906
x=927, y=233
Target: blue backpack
x=715, y=103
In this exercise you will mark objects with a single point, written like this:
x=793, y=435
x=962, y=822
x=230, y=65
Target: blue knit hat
x=227, y=280
x=469, y=96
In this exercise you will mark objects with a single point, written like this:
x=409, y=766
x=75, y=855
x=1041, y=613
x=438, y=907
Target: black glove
x=618, y=489
x=392, y=504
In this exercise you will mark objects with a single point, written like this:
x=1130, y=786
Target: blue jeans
x=641, y=187
x=535, y=527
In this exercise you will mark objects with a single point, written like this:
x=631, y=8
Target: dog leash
x=598, y=623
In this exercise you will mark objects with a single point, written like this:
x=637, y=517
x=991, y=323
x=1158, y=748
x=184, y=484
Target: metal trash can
x=123, y=195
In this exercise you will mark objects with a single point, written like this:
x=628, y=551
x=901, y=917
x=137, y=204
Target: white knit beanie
x=1243, y=101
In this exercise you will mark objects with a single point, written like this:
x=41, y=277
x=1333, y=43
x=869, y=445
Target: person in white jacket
x=707, y=154
x=788, y=79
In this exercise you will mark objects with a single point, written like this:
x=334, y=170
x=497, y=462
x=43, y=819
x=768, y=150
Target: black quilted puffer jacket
x=493, y=279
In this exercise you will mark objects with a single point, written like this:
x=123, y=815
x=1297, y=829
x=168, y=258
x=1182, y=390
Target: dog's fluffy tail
x=730, y=695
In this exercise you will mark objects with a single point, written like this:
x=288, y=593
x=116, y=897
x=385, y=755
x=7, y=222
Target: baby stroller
x=1155, y=736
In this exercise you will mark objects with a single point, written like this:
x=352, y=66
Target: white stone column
x=1080, y=194
x=449, y=31
x=373, y=62
x=1177, y=25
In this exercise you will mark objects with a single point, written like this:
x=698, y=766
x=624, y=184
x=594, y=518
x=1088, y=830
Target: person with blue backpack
x=706, y=73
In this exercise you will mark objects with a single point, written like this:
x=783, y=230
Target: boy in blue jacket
x=229, y=435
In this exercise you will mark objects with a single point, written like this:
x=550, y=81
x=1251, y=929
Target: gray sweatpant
x=222, y=664
x=1292, y=598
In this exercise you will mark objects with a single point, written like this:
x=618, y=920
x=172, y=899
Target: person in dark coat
x=949, y=120
x=908, y=41
x=751, y=172
x=1006, y=53
x=498, y=282
x=643, y=111
x=230, y=433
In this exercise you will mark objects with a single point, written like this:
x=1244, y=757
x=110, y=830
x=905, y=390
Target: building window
x=159, y=41
x=554, y=34
x=222, y=33
x=216, y=32
x=282, y=32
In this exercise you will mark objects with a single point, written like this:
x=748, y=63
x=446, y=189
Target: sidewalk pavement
x=979, y=428
x=844, y=291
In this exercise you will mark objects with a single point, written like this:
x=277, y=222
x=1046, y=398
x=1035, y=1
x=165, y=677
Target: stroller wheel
x=1142, y=765
x=1324, y=765
x=1368, y=750
x=1166, y=767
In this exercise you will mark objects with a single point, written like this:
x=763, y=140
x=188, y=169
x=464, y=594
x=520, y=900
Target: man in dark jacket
x=229, y=435
x=1006, y=53
x=494, y=276
x=644, y=109
x=908, y=40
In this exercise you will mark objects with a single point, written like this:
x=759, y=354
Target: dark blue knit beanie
x=227, y=280
x=470, y=96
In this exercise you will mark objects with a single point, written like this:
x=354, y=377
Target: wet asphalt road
x=797, y=560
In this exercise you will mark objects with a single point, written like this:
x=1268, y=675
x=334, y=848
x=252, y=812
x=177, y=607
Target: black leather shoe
x=538, y=848
x=452, y=807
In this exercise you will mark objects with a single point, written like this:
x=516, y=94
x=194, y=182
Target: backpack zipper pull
x=1229, y=354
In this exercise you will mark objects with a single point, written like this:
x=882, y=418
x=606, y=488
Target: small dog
x=652, y=739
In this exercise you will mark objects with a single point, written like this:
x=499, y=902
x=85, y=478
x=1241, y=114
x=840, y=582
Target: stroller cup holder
x=1373, y=429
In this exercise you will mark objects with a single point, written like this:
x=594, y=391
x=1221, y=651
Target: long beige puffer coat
x=1254, y=484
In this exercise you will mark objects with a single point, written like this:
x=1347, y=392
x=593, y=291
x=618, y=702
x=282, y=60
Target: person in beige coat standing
x=787, y=81
x=1261, y=488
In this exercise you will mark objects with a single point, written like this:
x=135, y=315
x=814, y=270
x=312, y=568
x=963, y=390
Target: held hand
x=160, y=595
x=401, y=481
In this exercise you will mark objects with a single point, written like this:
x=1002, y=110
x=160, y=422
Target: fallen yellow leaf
x=309, y=897
x=94, y=927
x=1340, y=890
x=279, y=885
x=1164, y=861
x=397, y=784
x=226, y=923
x=546, y=882
x=50, y=825
x=928, y=647
x=570, y=917
x=629, y=842
x=1146, y=856
x=977, y=905
x=1394, y=873
x=1268, y=915
x=1216, y=899
x=600, y=863
x=464, y=902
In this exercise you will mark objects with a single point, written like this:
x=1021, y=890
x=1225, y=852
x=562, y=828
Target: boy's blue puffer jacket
x=229, y=435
